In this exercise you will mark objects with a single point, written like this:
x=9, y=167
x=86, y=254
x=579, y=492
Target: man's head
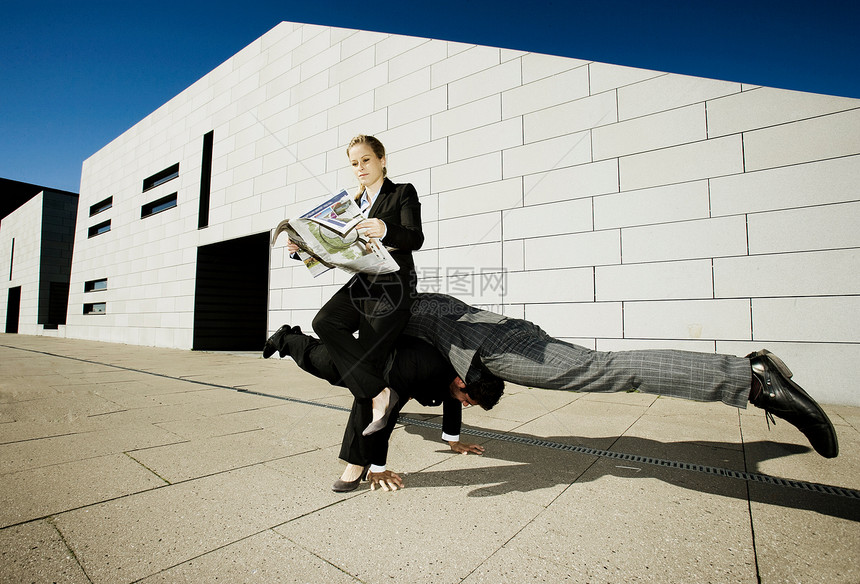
x=484, y=392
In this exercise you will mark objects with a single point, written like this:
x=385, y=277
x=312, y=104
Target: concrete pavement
x=134, y=464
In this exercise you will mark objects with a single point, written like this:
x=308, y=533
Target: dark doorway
x=13, y=309
x=231, y=295
x=58, y=302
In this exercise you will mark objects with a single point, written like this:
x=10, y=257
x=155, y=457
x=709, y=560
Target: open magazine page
x=351, y=252
x=326, y=233
x=312, y=262
x=315, y=266
x=339, y=213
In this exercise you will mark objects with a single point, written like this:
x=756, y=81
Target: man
x=413, y=369
x=477, y=341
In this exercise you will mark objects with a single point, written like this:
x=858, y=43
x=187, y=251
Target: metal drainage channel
x=723, y=472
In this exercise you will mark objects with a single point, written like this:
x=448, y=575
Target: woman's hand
x=372, y=227
x=291, y=247
x=389, y=481
x=466, y=448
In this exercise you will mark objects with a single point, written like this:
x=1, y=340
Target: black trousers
x=314, y=357
x=379, y=310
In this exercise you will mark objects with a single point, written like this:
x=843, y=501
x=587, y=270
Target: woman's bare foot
x=352, y=472
x=380, y=403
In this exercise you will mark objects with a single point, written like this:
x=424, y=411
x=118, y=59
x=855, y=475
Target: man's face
x=458, y=394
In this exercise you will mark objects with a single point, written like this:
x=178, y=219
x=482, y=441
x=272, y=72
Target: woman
x=377, y=306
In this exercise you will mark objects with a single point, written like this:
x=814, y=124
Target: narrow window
x=95, y=308
x=159, y=178
x=99, y=229
x=205, y=180
x=95, y=285
x=162, y=204
x=12, y=259
x=101, y=206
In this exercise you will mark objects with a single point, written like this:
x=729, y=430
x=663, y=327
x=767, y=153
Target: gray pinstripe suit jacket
x=521, y=352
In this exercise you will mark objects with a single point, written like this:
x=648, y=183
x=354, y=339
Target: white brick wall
x=33, y=260
x=24, y=225
x=625, y=208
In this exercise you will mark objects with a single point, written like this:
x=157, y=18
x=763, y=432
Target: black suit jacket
x=398, y=206
x=416, y=369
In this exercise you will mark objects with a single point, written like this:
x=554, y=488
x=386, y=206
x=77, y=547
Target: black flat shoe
x=782, y=397
x=383, y=421
x=275, y=343
x=340, y=486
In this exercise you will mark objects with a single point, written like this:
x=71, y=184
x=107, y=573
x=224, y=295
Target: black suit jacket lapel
x=383, y=198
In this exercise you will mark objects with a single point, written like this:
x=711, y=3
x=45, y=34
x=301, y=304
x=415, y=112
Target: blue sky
x=75, y=75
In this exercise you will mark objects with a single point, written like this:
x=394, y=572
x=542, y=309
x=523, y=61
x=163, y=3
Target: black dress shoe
x=276, y=341
x=340, y=486
x=383, y=421
x=782, y=397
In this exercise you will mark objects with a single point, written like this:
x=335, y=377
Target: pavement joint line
x=51, y=516
x=147, y=468
x=820, y=488
x=51, y=522
x=42, y=438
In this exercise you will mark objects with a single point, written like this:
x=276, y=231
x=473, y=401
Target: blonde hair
x=377, y=148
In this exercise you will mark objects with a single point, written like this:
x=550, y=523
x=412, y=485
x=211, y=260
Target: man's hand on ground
x=465, y=448
x=389, y=481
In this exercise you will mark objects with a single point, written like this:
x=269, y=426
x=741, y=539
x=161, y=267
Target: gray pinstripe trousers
x=524, y=354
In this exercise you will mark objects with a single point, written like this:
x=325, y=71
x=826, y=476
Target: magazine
x=327, y=238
